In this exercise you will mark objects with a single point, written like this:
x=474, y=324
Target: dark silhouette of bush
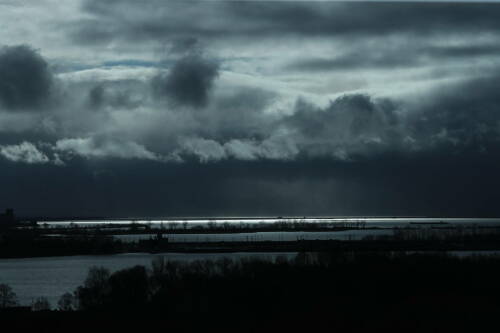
x=94, y=293
x=341, y=287
x=346, y=291
x=129, y=288
x=67, y=302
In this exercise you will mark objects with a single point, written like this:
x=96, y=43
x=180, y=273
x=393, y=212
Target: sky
x=127, y=108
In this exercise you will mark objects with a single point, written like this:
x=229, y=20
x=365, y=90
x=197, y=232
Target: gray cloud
x=104, y=148
x=25, y=78
x=96, y=97
x=188, y=82
x=24, y=152
x=118, y=94
x=236, y=126
x=161, y=19
x=357, y=127
x=184, y=45
x=462, y=116
x=395, y=55
x=350, y=125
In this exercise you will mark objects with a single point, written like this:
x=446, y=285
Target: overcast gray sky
x=157, y=108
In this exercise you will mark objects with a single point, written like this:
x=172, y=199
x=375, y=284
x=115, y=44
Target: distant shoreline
x=232, y=218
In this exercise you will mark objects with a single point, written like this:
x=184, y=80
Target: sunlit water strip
x=370, y=221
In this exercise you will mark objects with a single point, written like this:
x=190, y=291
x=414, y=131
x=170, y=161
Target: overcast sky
x=168, y=108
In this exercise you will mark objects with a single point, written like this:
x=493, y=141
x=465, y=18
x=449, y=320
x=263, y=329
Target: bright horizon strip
x=270, y=220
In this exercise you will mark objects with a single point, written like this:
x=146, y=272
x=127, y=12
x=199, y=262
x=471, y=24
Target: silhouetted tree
x=67, y=302
x=40, y=304
x=129, y=288
x=95, y=290
x=8, y=298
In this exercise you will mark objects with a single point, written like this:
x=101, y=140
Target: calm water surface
x=370, y=221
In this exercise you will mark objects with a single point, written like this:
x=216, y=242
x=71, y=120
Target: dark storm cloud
x=357, y=113
x=159, y=20
x=318, y=18
x=450, y=119
x=126, y=136
x=116, y=94
x=398, y=54
x=354, y=61
x=460, y=118
x=464, y=115
x=96, y=97
x=351, y=124
x=358, y=155
x=188, y=82
x=238, y=115
x=183, y=45
x=25, y=78
x=463, y=51
x=390, y=185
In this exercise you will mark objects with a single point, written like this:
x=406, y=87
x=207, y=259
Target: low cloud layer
x=105, y=148
x=24, y=152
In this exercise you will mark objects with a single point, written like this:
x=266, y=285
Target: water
x=382, y=222
x=52, y=277
x=261, y=236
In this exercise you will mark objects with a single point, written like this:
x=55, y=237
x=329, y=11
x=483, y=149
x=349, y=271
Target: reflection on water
x=374, y=222
x=54, y=276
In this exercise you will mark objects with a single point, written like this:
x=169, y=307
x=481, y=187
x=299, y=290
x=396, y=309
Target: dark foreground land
x=346, y=291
